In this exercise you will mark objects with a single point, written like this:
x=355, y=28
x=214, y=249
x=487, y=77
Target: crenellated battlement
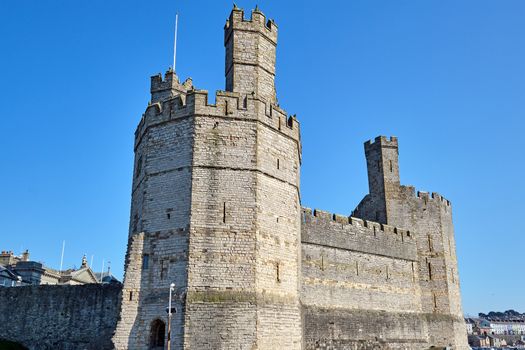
x=257, y=23
x=163, y=88
x=158, y=82
x=382, y=141
x=170, y=80
x=425, y=196
x=227, y=105
x=234, y=105
x=348, y=233
x=365, y=226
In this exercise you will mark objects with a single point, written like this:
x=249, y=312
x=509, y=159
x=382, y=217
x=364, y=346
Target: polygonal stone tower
x=215, y=209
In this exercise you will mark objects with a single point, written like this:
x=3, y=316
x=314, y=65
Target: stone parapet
x=323, y=228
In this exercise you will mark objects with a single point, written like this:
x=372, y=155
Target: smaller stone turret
x=250, y=54
x=162, y=89
x=383, y=179
x=383, y=165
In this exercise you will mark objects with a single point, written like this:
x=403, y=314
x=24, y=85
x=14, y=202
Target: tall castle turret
x=250, y=55
x=215, y=209
x=383, y=177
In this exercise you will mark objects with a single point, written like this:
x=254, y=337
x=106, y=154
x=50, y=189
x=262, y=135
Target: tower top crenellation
x=257, y=23
x=382, y=141
x=163, y=88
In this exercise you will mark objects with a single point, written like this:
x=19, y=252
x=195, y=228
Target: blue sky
x=446, y=77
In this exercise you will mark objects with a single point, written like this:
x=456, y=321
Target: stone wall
x=60, y=317
x=360, y=285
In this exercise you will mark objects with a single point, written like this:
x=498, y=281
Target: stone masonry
x=60, y=317
x=216, y=210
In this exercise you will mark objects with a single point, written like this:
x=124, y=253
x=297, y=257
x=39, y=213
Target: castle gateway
x=216, y=210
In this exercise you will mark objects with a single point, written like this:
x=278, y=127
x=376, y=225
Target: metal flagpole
x=62, y=257
x=175, y=41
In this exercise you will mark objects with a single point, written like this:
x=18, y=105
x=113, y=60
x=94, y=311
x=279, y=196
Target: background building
x=29, y=272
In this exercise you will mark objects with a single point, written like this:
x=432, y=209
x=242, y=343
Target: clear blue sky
x=446, y=77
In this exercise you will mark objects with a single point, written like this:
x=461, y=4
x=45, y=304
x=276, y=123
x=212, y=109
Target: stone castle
x=216, y=210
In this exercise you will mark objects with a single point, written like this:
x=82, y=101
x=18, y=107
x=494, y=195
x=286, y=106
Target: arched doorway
x=157, y=333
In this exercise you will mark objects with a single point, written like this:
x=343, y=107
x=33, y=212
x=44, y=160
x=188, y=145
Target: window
x=145, y=261
x=164, y=269
x=139, y=166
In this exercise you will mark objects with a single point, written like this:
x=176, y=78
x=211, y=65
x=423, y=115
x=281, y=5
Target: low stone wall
x=60, y=317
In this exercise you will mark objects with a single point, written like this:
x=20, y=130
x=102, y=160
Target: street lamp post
x=172, y=287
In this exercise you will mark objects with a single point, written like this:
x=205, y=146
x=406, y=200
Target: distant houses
x=21, y=271
x=509, y=326
x=496, y=332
